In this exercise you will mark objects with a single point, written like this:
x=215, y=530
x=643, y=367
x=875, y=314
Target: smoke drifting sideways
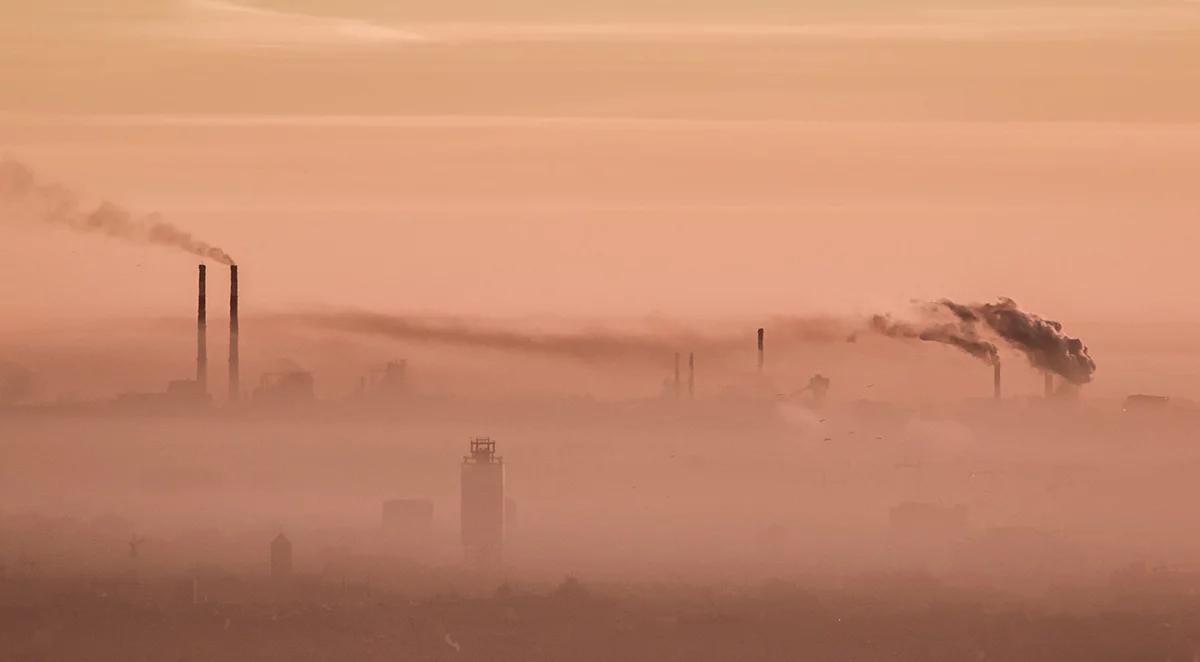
x=960, y=336
x=25, y=196
x=652, y=345
x=1042, y=341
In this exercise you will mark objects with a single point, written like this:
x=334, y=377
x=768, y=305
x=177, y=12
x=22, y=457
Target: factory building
x=482, y=506
x=390, y=379
x=285, y=388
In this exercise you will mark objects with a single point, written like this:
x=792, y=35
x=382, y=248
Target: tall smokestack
x=760, y=349
x=678, y=386
x=691, y=375
x=1049, y=385
x=996, y=380
x=202, y=335
x=235, y=386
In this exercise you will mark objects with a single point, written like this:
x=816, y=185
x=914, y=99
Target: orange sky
x=567, y=165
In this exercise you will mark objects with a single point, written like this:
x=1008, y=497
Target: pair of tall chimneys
x=202, y=336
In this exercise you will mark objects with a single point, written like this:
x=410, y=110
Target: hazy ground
x=719, y=490
x=897, y=619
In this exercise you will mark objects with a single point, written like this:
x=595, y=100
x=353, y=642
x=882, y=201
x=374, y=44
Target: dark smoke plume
x=646, y=345
x=962, y=336
x=595, y=344
x=1042, y=341
x=26, y=196
x=810, y=329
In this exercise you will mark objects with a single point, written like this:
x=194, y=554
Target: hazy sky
x=711, y=160
x=579, y=164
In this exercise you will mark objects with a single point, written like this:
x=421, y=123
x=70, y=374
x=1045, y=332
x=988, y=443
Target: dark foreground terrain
x=574, y=622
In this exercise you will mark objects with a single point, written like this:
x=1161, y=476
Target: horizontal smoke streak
x=24, y=195
x=958, y=336
x=648, y=346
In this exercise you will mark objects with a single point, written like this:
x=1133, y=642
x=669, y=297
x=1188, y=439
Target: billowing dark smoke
x=24, y=195
x=1041, y=340
x=962, y=336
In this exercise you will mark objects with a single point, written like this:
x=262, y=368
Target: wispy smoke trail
x=1042, y=341
x=24, y=195
x=594, y=344
x=958, y=335
x=652, y=345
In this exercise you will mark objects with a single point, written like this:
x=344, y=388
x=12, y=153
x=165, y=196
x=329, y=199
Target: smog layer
x=709, y=330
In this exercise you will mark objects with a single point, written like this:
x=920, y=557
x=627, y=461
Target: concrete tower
x=483, y=504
